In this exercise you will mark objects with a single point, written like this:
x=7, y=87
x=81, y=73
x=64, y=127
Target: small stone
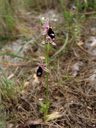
x=91, y=45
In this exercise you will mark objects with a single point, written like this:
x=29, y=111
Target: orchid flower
x=48, y=31
x=42, y=65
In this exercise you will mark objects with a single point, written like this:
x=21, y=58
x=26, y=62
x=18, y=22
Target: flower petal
x=44, y=32
x=45, y=69
x=47, y=23
x=45, y=64
x=46, y=26
x=41, y=62
x=48, y=38
x=54, y=44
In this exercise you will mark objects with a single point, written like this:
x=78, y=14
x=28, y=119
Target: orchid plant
x=48, y=39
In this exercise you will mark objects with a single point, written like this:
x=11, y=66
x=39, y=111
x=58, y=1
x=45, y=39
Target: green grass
x=1, y=121
x=11, y=12
x=7, y=17
x=66, y=42
x=66, y=13
x=76, y=20
x=7, y=87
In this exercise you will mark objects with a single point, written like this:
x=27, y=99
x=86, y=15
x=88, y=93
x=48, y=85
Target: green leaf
x=41, y=110
x=11, y=37
x=43, y=105
x=48, y=104
x=62, y=48
x=41, y=22
x=13, y=55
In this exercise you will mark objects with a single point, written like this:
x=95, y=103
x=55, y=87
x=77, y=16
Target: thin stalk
x=47, y=59
x=45, y=115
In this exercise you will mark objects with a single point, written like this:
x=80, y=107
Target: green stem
x=47, y=87
x=47, y=61
x=45, y=115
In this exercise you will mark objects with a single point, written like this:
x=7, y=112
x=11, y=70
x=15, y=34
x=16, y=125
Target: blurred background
x=15, y=15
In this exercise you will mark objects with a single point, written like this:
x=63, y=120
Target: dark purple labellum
x=51, y=33
x=39, y=72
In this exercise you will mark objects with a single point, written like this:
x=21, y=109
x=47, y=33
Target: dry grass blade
x=32, y=123
x=54, y=115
